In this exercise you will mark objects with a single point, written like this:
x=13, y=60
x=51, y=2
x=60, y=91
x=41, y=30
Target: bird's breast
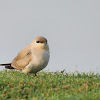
x=39, y=61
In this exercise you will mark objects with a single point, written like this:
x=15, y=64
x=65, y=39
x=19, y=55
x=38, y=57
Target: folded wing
x=23, y=58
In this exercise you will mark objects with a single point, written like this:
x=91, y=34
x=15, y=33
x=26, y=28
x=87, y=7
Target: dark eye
x=37, y=41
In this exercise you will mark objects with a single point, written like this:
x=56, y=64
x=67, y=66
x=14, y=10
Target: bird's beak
x=44, y=43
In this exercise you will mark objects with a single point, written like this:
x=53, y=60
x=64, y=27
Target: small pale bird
x=32, y=58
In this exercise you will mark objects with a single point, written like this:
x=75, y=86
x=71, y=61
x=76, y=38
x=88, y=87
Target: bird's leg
x=35, y=74
x=27, y=75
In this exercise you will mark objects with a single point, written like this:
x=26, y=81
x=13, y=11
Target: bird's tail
x=8, y=66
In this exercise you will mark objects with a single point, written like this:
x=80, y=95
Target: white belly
x=37, y=63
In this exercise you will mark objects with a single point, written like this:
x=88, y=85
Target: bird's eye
x=37, y=41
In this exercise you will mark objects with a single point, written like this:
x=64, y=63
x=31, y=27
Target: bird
x=32, y=58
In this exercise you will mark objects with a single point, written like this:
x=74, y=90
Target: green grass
x=15, y=85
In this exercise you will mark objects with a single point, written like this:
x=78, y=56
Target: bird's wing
x=23, y=58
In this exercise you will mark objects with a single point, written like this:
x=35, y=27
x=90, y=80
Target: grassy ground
x=15, y=85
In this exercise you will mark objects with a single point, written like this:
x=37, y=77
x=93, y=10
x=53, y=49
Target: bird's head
x=40, y=43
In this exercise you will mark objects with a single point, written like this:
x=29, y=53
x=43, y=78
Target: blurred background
x=72, y=28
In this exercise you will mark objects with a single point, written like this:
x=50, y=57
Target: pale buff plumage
x=32, y=58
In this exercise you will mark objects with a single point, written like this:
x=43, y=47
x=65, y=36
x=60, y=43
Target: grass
x=15, y=85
